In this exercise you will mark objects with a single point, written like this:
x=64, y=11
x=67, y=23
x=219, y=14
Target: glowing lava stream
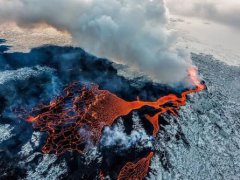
x=80, y=111
x=176, y=101
x=78, y=116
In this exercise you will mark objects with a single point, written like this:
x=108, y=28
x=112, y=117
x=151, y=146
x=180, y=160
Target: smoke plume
x=132, y=32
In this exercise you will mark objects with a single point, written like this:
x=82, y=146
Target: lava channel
x=76, y=119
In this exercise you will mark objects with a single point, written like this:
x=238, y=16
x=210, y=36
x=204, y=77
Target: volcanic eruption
x=132, y=34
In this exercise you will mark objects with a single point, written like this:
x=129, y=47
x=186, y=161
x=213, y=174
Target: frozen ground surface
x=210, y=123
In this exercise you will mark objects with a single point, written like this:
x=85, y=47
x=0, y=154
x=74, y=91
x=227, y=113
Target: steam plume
x=115, y=136
x=129, y=31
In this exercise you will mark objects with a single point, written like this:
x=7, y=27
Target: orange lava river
x=80, y=114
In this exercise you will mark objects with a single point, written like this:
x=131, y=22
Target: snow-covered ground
x=210, y=122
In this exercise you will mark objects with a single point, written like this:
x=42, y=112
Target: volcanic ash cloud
x=132, y=32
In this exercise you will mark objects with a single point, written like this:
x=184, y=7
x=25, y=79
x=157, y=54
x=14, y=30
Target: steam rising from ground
x=115, y=136
x=128, y=31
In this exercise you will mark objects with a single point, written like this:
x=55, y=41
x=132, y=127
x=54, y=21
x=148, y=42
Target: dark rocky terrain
x=202, y=143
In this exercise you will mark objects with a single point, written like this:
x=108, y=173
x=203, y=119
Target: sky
x=221, y=11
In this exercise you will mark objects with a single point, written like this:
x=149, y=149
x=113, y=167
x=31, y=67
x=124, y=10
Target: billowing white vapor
x=129, y=31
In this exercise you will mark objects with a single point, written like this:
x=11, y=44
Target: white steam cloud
x=116, y=136
x=129, y=31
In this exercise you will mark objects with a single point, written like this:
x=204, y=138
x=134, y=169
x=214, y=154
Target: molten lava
x=76, y=119
x=135, y=171
x=175, y=101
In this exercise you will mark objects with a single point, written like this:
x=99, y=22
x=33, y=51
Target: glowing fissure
x=77, y=118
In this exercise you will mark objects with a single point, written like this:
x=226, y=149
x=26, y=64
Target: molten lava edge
x=78, y=116
x=136, y=171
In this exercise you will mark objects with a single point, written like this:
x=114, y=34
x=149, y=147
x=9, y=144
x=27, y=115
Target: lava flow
x=76, y=119
x=176, y=102
x=80, y=114
x=136, y=171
